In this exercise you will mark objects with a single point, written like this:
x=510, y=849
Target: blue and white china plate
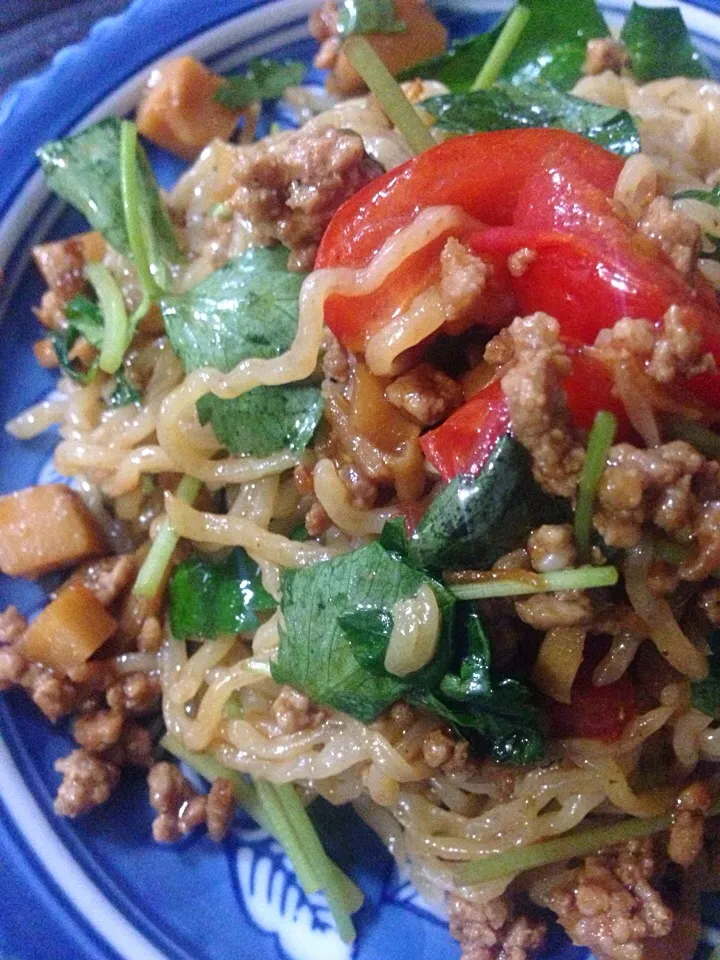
x=99, y=888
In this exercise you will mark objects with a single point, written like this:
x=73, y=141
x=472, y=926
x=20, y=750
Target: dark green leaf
x=84, y=320
x=264, y=80
x=124, y=392
x=506, y=107
x=369, y=634
x=706, y=693
x=265, y=419
x=248, y=308
x=368, y=16
x=660, y=45
x=210, y=597
x=474, y=677
x=317, y=656
x=394, y=536
x=474, y=520
x=551, y=48
x=85, y=170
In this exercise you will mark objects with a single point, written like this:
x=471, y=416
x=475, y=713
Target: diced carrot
x=424, y=37
x=61, y=263
x=69, y=630
x=46, y=528
x=177, y=110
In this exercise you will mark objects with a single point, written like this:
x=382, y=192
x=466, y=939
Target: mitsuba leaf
x=394, y=536
x=369, y=633
x=507, y=106
x=368, y=16
x=475, y=519
x=124, y=392
x=705, y=694
x=209, y=598
x=660, y=45
x=84, y=320
x=496, y=711
x=85, y=171
x=551, y=48
x=264, y=80
x=316, y=654
x=248, y=308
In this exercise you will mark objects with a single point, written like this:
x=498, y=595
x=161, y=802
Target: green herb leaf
x=265, y=419
x=368, y=16
x=209, y=597
x=660, y=44
x=506, y=107
x=124, y=392
x=551, y=48
x=317, y=656
x=264, y=80
x=474, y=520
x=84, y=320
x=705, y=693
x=711, y=250
x=369, y=633
x=85, y=171
x=600, y=440
x=248, y=308
x=394, y=537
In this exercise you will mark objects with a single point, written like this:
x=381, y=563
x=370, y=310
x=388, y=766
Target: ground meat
x=108, y=578
x=609, y=905
x=55, y=695
x=605, y=53
x=686, y=834
x=98, y=731
x=363, y=491
x=87, y=782
x=135, y=693
x=303, y=480
x=492, y=931
x=317, y=520
x=676, y=234
x=663, y=485
x=673, y=350
x=537, y=362
x=12, y=626
x=287, y=189
x=552, y=547
x=463, y=277
x=149, y=640
x=220, y=809
x=543, y=611
x=134, y=747
x=425, y=393
x=706, y=534
x=180, y=808
x=335, y=363
x=12, y=667
x=292, y=711
x=442, y=750
x=519, y=261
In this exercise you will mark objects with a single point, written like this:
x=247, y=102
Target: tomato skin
x=595, y=713
x=483, y=173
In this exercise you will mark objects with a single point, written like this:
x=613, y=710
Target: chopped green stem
x=599, y=442
x=283, y=829
x=115, y=321
x=578, y=843
x=137, y=231
x=389, y=93
x=504, y=46
x=704, y=440
x=152, y=571
x=470, y=585
x=670, y=551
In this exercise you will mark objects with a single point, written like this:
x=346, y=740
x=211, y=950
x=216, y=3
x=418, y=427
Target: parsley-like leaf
x=660, y=45
x=84, y=320
x=509, y=106
x=368, y=16
x=264, y=80
x=248, y=308
x=705, y=694
x=209, y=598
x=124, y=392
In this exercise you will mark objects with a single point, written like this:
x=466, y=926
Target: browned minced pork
x=609, y=905
x=493, y=931
x=288, y=189
x=425, y=393
x=552, y=547
x=673, y=350
x=317, y=520
x=87, y=782
x=363, y=491
x=12, y=662
x=98, y=731
x=108, y=578
x=441, y=749
x=534, y=361
x=12, y=626
x=336, y=363
x=54, y=694
x=181, y=809
x=463, y=277
x=686, y=833
x=290, y=712
x=677, y=235
x=134, y=747
x=605, y=53
x=135, y=693
x=672, y=486
x=519, y=261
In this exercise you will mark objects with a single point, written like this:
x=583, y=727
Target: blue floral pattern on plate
x=98, y=888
